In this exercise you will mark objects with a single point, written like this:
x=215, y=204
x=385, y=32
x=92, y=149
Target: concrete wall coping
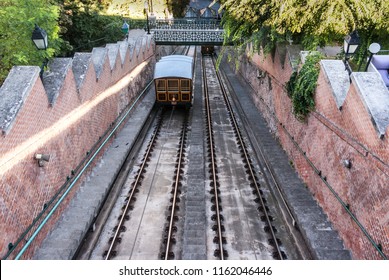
x=54, y=79
x=14, y=92
x=123, y=46
x=113, y=52
x=80, y=66
x=98, y=57
x=338, y=78
x=375, y=96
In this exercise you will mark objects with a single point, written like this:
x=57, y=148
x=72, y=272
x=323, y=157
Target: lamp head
x=41, y=158
x=125, y=27
x=39, y=37
x=351, y=42
x=374, y=48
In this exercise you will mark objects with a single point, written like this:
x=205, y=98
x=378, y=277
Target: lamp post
x=351, y=43
x=147, y=15
x=39, y=38
x=373, y=49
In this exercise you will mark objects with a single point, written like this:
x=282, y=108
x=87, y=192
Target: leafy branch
x=302, y=85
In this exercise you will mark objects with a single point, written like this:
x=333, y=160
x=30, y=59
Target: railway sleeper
x=126, y=217
x=178, y=190
x=276, y=256
x=176, y=207
x=213, y=208
x=118, y=240
x=264, y=219
x=259, y=200
x=172, y=240
x=261, y=209
x=213, y=199
x=212, y=184
x=214, y=217
x=122, y=228
x=113, y=254
x=255, y=191
x=216, y=240
x=132, y=189
x=174, y=229
x=267, y=229
x=133, y=198
x=130, y=207
x=212, y=191
x=273, y=243
x=217, y=253
x=216, y=227
x=175, y=218
x=177, y=199
x=171, y=255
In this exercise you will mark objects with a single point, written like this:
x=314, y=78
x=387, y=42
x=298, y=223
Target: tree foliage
x=17, y=20
x=71, y=25
x=177, y=7
x=302, y=85
x=310, y=22
x=84, y=26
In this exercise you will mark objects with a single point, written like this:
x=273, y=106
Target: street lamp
x=373, y=49
x=39, y=38
x=351, y=43
x=125, y=28
x=147, y=16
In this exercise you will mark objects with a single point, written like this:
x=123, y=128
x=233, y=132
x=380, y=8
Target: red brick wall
x=328, y=137
x=66, y=131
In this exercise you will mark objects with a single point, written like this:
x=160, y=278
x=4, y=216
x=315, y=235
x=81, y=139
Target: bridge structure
x=187, y=31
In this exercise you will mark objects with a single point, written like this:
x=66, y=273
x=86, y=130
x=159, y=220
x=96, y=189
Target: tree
x=177, y=7
x=309, y=22
x=84, y=26
x=17, y=21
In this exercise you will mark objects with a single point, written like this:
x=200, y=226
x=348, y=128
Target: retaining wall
x=62, y=115
x=350, y=123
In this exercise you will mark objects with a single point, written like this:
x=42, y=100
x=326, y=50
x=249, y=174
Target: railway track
x=169, y=239
x=218, y=227
x=223, y=107
x=147, y=220
x=147, y=200
x=130, y=199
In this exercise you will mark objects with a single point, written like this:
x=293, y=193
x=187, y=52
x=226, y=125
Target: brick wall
x=328, y=137
x=66, y=130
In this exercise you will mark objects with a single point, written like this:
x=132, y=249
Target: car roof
x=180, y=66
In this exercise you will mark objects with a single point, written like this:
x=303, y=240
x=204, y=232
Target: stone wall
x=62, y=115
x=350, y=124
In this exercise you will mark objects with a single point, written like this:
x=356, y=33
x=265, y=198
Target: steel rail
x=213, y=161
x=176, y=185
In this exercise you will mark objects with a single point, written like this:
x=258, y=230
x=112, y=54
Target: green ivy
x=302, y=85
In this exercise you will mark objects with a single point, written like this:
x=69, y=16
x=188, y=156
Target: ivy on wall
x=302, y=85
